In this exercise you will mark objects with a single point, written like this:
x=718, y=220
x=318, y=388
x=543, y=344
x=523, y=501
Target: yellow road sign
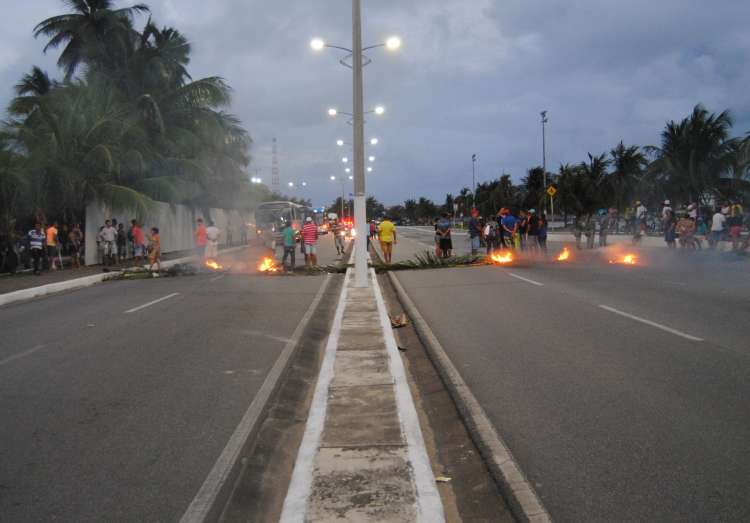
x=551, y=191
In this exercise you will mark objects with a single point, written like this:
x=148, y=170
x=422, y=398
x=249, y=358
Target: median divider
x=515, y=487
x=85, y=281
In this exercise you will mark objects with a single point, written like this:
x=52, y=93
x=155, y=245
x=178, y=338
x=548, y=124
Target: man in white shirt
x=108, y=237
x=212, y=241
x=718, y=224
x=665, y=210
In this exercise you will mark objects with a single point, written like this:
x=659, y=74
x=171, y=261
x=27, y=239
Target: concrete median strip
x=80, y=283
x=517, y=490
x=219, y=484
x=362, y=457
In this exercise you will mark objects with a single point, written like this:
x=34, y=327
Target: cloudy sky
x=471, y=77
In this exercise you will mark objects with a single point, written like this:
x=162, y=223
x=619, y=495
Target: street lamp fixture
x=333, y=178
x=393, y=43
x=379, y=110
x=332, y=111
x=317, y=44
x=371, y=158
x=369, y=169
x=351, y=177
x=348, y=170
x=304, y=184
x=345, y=160
x=340, y=143
x=291, y=184
x=373, y=141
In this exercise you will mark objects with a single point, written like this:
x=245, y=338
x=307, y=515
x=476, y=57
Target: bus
x=271, y=217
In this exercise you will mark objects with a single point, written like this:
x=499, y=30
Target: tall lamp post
x=544, y=157
x=358, y=61
x=473, y=180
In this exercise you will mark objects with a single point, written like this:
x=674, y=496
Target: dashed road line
x=538, y=284
x=651, y=323
x=22, y=354
x=149, y=304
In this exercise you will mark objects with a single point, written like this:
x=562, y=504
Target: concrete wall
x=176, y=224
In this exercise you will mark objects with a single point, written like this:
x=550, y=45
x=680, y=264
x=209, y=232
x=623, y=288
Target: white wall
x=176, y=224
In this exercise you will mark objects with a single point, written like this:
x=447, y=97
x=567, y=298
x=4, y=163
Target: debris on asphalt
x=399, y=320
x=443, y=479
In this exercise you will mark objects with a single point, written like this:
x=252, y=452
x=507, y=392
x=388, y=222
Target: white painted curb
x=80, y=283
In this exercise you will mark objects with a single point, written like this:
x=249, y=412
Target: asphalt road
x=110, y=415
x=624, y=392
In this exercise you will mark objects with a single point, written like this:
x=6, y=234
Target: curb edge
x=515, y=487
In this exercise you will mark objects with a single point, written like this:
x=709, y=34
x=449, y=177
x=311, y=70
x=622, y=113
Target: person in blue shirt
x=475, y=231
x=509, y=224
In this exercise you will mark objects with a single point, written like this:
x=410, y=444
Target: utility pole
x=360, y=218
x=544, y=160
x=473, y=180
x=275, y=182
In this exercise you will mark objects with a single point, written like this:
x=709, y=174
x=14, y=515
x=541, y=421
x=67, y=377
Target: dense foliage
x=126, y=124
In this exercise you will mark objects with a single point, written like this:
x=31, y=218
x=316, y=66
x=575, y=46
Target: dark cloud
x=471, y=78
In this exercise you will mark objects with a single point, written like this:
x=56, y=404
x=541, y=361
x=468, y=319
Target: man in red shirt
x=310, y=240
x=139, y=244
x=200, y=238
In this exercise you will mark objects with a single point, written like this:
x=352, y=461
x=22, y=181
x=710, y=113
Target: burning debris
x=503, y=258
x=564, y=255
x=268, y=265
x=211, y=264
x=625, y=259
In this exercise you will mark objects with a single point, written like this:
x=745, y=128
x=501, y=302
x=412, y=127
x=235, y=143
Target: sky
x=470, y=78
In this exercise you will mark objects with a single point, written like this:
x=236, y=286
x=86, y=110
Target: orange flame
x=501, y=258
x=564, y=255
x=213, y=265
x=627, y=259
x=267, y=265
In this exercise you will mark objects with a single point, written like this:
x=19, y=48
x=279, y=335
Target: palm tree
x=694, y=154
x=629, y=164
x=94, y=33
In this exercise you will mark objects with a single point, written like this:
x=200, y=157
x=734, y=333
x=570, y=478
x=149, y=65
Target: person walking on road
x=310, y=241
x=37, y=241
x=139, y=244
x=387, y=235
x=109, y=243
x=200, y=239
x=212, y=241
x=154, y=250
x=52, y=246
x=288, y=238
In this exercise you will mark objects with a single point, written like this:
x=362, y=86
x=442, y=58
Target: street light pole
x=474, y=180
x=360, y=258
x=544, y=158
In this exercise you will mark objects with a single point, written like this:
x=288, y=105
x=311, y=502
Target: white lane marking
x=429, y=504
x=526, y=279
x=264, y=335
x=149, y=304
x=295, y=502
x=652, y=323
x=220, y=474
x=217, y=278
x=22, y=354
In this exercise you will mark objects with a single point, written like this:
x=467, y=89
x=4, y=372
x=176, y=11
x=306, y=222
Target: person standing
x=52, y=246
x=532, y=230
x=37, y=240
x=387, y=236
x=445, y=242
x=212, y=241
x=542, y=233
x=288, y=238
x=718, y=224
x=122, y=242
x=523, y=228
x=75, y=242
x=200, y=239
x=109, y=243
x=338, y=237
x=670, y=232
x=310, y=241
x=490, y=235
x=475, y=232
x=510, y=229
x=139, y=243
x=154, y=250
x=734, y=223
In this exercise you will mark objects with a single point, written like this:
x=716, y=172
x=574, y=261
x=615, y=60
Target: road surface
x=117, y=399
x=624, y=392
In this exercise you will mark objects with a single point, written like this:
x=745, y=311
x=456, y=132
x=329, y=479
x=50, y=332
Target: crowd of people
x=689, y=226
x=48, y=244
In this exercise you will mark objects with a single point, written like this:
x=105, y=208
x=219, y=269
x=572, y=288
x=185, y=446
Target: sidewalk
x=362, y=457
